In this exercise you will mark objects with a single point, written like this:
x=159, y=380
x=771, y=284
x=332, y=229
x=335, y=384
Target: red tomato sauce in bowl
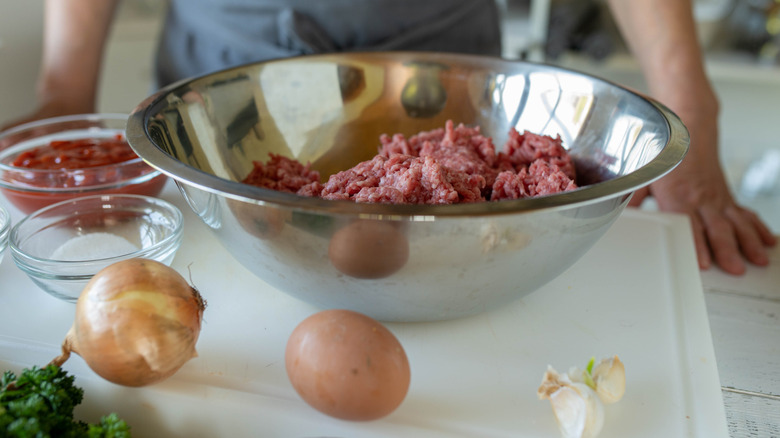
x=39, y=174
x=29, y=201
x=76, y=154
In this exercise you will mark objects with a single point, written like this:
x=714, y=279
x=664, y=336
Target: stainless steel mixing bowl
x=400, y=262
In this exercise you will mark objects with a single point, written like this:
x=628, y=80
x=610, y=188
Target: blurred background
x=741, y=39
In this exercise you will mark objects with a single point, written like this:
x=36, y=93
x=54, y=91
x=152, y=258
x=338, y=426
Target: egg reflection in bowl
x=263, y=223
x=369, y=249
x=400, y=262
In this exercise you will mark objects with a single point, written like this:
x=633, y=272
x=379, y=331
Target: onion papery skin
x=137, y=322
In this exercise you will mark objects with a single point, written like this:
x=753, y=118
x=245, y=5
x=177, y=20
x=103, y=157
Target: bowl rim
x=5, y=227
x=20, y=256
x=669, y=157
x=90, y=117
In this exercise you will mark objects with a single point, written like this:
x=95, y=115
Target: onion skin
x=137, y=322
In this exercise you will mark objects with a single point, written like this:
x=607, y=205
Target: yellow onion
x=137, y=322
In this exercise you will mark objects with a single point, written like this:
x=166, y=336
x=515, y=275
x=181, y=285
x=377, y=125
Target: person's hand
x=724, y=232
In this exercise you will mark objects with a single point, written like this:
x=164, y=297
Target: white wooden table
x=744, y=315
x=653, y=299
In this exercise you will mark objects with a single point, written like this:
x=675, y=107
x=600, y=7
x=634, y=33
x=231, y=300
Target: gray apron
x=203, y=36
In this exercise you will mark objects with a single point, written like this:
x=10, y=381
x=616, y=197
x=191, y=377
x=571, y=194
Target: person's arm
x=75, y=33
x=661, y=35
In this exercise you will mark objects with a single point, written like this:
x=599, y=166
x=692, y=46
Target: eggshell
x=369, y=249
x=347, y=365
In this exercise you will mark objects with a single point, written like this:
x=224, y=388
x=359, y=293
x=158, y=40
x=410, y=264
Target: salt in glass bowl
x=30, y=189
x=62, y=246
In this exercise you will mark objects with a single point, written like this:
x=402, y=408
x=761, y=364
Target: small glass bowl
x=5, y=227
x=62, y=246
x=32, y=189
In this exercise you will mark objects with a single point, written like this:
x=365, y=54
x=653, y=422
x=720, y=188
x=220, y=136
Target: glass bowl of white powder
x=62, y=246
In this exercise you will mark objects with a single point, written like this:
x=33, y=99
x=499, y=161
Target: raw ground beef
x=282, y=174
x=448, y=165
x=404, y=179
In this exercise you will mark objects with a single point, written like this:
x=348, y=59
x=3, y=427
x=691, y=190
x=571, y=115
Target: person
x=662, y=36
x=200, y=36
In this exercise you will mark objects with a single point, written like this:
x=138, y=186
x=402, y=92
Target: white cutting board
x=637, y=294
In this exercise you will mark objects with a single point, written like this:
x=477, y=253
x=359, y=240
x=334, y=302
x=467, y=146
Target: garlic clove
x=577, y=408
x=610, y=379
x=578, y=375
x=551, y=382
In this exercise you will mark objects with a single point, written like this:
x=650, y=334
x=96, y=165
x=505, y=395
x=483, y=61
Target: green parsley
x=40, y=402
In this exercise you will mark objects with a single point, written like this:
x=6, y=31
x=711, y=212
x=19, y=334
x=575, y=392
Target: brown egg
x=347, y=365
x=369, y=249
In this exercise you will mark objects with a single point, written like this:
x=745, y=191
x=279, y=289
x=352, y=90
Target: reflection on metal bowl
x=368, y=248
x=260, y=221
x=329, y=110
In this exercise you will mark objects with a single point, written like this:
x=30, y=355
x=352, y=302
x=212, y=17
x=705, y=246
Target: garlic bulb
x=577, y=408
x=608, y=378
x=577, y=397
